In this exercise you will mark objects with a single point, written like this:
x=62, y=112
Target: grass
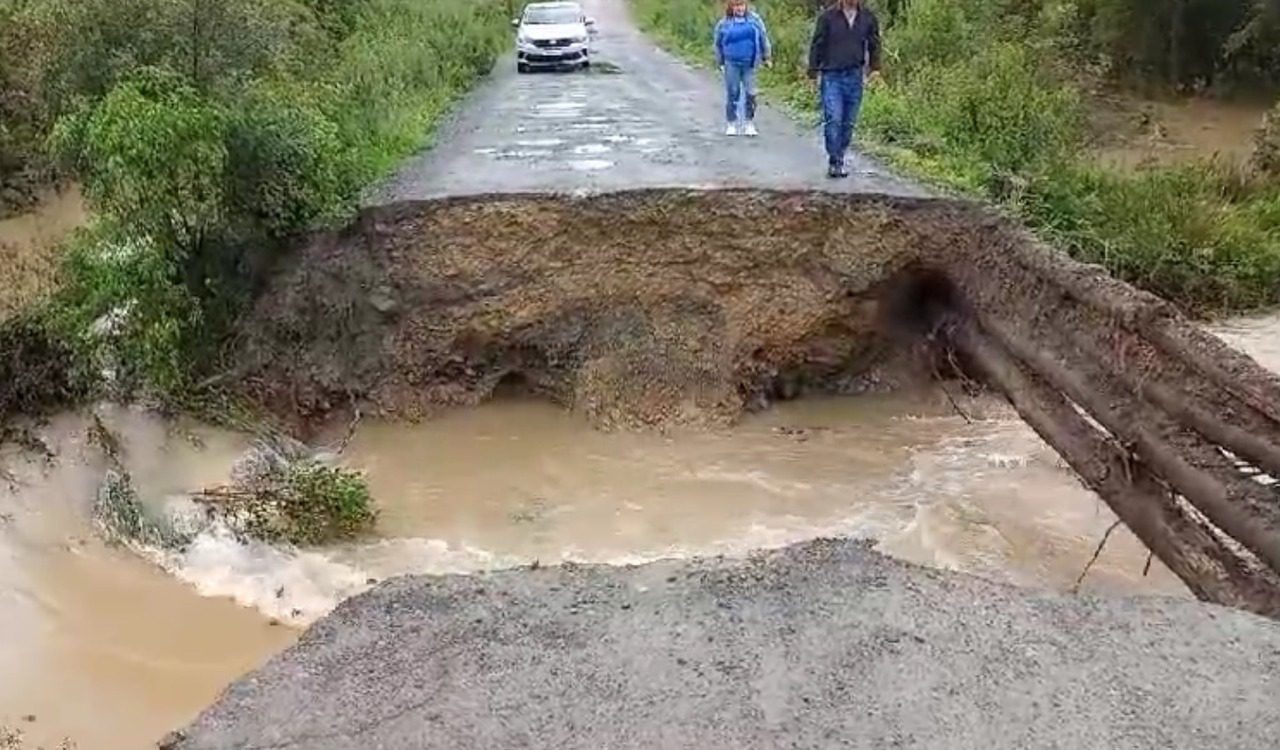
x=975, y=100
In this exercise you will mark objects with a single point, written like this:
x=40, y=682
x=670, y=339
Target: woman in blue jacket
x=742, y=46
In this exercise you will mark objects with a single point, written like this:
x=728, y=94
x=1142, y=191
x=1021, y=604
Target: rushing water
x=112, y=647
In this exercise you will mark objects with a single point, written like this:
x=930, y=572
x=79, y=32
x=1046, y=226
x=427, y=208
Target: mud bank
x=645, y=308
x=658, y=307
x=825, y=644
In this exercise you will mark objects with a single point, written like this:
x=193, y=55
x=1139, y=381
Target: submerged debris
x=281, y=492
x=122, y=518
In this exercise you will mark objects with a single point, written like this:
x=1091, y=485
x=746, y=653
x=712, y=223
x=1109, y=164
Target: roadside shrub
x=997, y=114
x=210, y=134
x=152, y=157
x=287, y=164
x=1178, y=232
x=983, y=97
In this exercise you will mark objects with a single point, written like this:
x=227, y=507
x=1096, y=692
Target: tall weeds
x=981, y=97
x=210, y=133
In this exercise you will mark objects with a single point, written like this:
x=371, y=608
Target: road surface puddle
x=112, y=647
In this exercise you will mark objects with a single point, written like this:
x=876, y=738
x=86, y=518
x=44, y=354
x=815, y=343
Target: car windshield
x=552, y=15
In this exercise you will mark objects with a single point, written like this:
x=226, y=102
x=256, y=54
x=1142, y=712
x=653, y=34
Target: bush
x=152, y=157
x=1265, y=161
x=209, y=134
x=280, y=493
x=1179, y=232
x=126, y=314
x=982, y=96
x=288, y=166
x=39, y=372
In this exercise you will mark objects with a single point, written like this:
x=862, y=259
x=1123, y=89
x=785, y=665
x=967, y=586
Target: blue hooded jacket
x=742, y=40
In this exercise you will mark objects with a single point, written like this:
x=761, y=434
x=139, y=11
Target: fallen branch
x=1075, y=588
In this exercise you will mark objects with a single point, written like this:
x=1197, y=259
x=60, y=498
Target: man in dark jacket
x=844, y=52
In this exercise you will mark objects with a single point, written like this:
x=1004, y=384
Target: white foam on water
x=292, y=586
x=298, y=587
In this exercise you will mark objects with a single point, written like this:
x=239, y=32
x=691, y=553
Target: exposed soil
x=650, y=308
x=643, y=308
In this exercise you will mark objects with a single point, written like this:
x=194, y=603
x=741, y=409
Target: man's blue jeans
x=841, y=93
x=739, y=79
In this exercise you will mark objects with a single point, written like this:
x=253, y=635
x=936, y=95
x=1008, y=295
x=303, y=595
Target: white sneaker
x=750, y=129
x=731, y=129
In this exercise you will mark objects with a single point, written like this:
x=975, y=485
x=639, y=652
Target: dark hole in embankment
x=918, y=302
x=514, y=384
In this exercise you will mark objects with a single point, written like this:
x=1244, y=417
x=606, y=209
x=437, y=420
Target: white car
x=552, y=35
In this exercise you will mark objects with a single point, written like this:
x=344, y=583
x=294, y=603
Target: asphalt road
x=825, y=645
x=640, y=118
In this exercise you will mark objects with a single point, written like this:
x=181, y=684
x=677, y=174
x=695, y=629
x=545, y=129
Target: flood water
x=112, y=647
x=29, y=247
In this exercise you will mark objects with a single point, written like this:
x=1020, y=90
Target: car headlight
x=579, y=40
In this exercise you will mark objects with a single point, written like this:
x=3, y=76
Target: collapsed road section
x=658, y=307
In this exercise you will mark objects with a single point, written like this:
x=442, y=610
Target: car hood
x=553, y=31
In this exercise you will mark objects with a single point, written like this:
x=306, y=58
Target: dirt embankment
x=646, y=308
x=667, y=306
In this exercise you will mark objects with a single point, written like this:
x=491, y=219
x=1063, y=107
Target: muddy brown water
x=1136, y=133
x=29, y=247
x=112, y=647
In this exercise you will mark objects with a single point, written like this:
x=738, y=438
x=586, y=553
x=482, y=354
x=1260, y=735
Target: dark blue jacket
x=837, y=46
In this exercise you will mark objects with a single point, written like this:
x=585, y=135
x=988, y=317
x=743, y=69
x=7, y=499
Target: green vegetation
x=207, y=134
x=311, y=504
x=986, y=97
x=37, y=371
x=281, y=493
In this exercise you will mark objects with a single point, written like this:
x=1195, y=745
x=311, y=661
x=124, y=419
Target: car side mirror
x=515, y=23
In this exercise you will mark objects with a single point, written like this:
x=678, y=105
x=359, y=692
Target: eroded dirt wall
x=675, y=306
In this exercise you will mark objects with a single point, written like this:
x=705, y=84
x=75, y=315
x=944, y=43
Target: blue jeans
x=841, y=95
x=739, y=80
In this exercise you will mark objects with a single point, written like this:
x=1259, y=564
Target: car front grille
x=533, y=57
x=552, y=43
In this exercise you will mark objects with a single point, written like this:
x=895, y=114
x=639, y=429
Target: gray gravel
x=655, y=122
x=821, y=645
